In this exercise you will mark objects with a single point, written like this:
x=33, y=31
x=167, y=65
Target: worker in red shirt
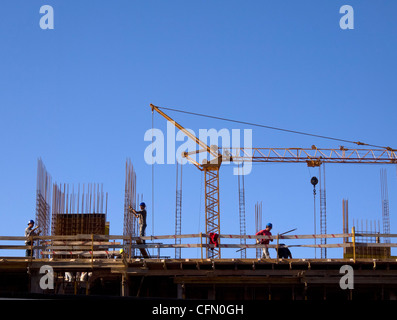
x=265, y=232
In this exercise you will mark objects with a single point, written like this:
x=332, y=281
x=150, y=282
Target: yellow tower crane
x=211, y=175
x=313, y=157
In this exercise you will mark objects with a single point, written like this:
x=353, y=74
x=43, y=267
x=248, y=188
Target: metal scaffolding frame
x=323, y=212
x=241, y=198
x=258, y=224
x=178, y=209
x=385, y=202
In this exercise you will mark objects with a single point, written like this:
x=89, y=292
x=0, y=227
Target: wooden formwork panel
x=365, y=252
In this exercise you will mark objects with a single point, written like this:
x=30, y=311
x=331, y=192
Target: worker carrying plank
x=265, y=232
x=142, y=218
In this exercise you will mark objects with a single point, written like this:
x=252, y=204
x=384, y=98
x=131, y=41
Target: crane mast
x=211, y=178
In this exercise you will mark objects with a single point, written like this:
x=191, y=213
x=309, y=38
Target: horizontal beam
x=312, y=156
x=88, y=240
x=67, y=249
x=83, y=253
x=236, y=280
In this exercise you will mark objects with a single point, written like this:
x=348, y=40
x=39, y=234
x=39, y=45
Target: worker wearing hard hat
x=121, y=254
x=30, y=232
x=142, y=218
x=265, y=232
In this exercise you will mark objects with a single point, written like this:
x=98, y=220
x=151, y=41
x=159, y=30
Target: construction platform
x=222, y=279
x=108, y=265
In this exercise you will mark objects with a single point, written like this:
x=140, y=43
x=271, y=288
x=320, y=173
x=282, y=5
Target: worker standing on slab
x=30, y=232
x=265, y=232
x=142, y=218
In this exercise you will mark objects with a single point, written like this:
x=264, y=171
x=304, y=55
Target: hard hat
x=269, y=225
x=31, y=221
x=121, y=251
x=142, y=204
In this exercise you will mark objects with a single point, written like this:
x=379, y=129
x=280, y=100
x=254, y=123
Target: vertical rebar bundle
x=345, y=204
x=385, y=204
x=178, y=208
x=241, y=197
x=130, y=196
x=368, y=228
x=43, y=199
x=258, y=224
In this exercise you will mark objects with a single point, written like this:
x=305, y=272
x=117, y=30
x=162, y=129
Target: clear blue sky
x=78, y=97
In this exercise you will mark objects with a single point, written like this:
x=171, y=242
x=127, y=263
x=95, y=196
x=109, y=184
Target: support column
x=211, y=292
x=125, y=292
x=34, y=279
x=181, y=294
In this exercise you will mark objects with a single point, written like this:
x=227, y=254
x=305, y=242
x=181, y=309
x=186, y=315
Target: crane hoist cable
x=279, y=129
x=152, y=178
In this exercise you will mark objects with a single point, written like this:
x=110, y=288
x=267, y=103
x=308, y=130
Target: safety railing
x=110, y=246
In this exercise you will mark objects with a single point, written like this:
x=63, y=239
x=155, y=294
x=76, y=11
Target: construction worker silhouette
x=265, y=232
x=142, y=218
